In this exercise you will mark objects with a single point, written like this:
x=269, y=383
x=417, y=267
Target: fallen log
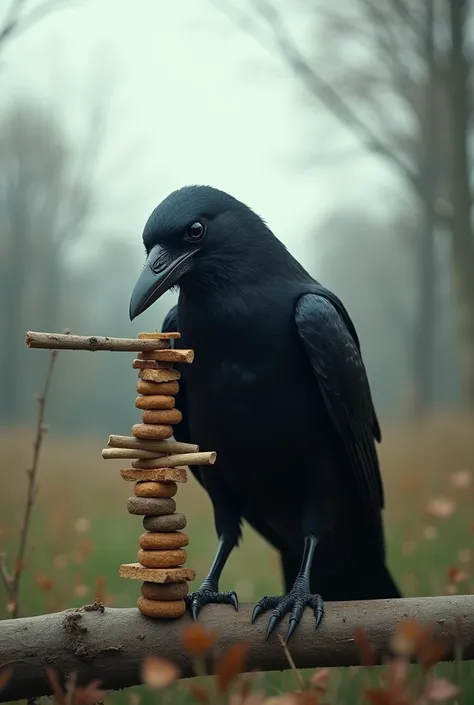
x=111, y=643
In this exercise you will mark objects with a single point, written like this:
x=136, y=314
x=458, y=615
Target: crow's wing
x=337, y=303
x=181, y=430
x=340, y=373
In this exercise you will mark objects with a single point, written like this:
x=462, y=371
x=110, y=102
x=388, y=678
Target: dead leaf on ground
x=158, y=672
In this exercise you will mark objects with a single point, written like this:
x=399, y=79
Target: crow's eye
x=196, y=232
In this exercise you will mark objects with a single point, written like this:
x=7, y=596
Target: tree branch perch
x=111, y=643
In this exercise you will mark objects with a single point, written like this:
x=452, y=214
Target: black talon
x=235, y=600
x=206, y=596
x=294, y=603
x=258, y=609
x=274, y=619
x=291, y=629
x=318, y=608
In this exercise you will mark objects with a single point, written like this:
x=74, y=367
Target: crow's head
x=198, y=235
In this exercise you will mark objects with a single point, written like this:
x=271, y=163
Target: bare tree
x=462, y=244
x=45, y=205
x=382, y=72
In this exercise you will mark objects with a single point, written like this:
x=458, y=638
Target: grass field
x=81, y=531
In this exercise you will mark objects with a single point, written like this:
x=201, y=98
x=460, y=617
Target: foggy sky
x=189, y=99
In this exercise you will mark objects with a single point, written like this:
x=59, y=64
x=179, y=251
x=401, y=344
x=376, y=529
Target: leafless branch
x=5, y=574
x=112, y=643
x=79, y=203
x=318, y=87
x=12, y=582
x=404, y=12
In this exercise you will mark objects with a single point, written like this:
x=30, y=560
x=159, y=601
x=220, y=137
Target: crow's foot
x=294, y=602
x=207, y=596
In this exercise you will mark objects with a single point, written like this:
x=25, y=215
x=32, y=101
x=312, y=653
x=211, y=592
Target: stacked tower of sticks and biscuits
x=158, y=466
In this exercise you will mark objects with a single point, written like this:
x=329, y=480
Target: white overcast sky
x=192, y=100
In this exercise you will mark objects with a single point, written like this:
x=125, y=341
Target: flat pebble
x=171, y=522
x=169, y=591
x=162, y=559
x=155, y=489
x=163, y=540
x=154, y=506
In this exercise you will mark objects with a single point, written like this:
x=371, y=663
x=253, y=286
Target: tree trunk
x=424, y=338
x=462, y=232
x=12, y=300
x=12, y=307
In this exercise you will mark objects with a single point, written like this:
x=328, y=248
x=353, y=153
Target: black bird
x=279, y=389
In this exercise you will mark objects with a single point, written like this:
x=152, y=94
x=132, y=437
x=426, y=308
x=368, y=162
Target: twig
x=289, y=658
x=58, y=341
x=13, y=583
x=160, y=446
x=4, y=572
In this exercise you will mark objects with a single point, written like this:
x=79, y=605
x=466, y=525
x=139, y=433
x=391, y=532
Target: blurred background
x=348, y=127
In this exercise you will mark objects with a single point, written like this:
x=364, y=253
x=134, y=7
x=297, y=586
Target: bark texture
x=111, y=643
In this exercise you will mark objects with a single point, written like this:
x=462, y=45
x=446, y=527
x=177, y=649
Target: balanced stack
x=158, y=466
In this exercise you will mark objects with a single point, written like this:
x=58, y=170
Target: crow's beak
x=160, y=272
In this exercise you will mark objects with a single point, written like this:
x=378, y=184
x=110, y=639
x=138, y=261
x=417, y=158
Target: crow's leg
x=209, y=591
x=227, y=520
x=297, y=599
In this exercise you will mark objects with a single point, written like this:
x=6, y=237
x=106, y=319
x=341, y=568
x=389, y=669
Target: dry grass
x=81, y=531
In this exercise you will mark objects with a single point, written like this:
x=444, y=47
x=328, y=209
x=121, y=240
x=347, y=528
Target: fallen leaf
x=82, y=525
x=230, y=664
x=61, y=561
x=89, y=694
x=81, y=591
x=158, y=672
x=5, y=675
x=430, y=533
x=441, y=507
x=409, y=636
x=457, y=575
x=319, y=679
x=462, y=479
x=284, y=699
x=431, y=653
x=256, y=698
x=199, y=693
x=464, y=555
x=44, y=582
x=440, y=690
x=365, y=646
x=58, y=692
x=197, y=640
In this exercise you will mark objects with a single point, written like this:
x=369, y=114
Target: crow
x=279, y=390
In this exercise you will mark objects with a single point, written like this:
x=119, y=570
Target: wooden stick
x=163, y=446
x=174, y=355
x=59, y=341
x=111, y=453
x=204, y=458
